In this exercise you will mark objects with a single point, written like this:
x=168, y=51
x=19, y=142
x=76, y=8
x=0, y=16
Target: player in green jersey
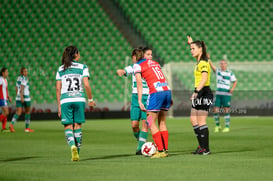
x=23, y=100
x=71, y=79
x=225, y=83
x=136, y=114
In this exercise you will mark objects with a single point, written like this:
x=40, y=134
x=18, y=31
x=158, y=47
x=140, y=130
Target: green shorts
x=136, y=114
x=222, y=100
x=25, y=104
x=73, y=112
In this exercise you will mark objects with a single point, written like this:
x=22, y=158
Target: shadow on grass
x=17, y=159
x=188, y=152
x=108, y=157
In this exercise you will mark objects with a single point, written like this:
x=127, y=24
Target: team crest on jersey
x=150, y=63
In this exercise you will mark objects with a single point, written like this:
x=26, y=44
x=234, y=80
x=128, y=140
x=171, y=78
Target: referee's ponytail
x=201, y=44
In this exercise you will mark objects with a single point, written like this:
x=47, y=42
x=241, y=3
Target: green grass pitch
x=108, y=153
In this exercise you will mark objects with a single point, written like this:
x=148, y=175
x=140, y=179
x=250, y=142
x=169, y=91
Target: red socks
x=2, y=117
x=165, y=138
x=4, y=121
x=161, y=140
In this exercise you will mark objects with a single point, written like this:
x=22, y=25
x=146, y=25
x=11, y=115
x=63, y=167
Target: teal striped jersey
x=223, y=81
x=130, y=71
x=22, y=80
x=72, y=82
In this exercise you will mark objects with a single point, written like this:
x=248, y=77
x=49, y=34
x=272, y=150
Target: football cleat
x=160, y=155
x=217, y=129
x=5, y=130
x=11, y=128
x=167, y=152
x=28, y=130
x=138, y=152
x=197, y=150
x=203, y=151
x=74, y=153
x=226, y=130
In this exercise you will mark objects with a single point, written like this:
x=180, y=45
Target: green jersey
x=130, y=71
x=22, y=81
x=223, y=81
x=72, y=82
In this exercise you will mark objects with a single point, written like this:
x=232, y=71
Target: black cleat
x=204, y=151
x=138, y=152
x=197, y=150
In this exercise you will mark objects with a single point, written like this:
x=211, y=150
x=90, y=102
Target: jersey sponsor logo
x=160, y=84
x=73, y=94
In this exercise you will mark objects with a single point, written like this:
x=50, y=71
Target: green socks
x=69, y=137
x=27, y=120
x=142, y=139
x=136, y=134
x=216, y=119
x=78, y=138
x=14, y=119
x=227, y=119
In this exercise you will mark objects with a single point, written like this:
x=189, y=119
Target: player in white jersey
x=23, y=100
x=4, y=98
x=226, y=83
x=71, y=80
x=136, y=114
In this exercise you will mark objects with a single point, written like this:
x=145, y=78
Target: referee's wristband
x=90, y=100
x=196, y=91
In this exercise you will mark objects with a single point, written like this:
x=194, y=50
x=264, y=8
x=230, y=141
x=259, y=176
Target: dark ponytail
x=68, y=56
x=201, y=44
x=22, y=70
x=139, y=54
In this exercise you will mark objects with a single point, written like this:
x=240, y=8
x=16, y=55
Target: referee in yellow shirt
x=202, y=96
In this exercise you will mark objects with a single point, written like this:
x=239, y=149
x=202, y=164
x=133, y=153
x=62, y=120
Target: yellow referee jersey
x=200, y=67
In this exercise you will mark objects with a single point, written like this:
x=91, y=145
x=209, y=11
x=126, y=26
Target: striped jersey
x=223, y=81
x=130, y=71
x=152, y=73
x=72, y=82
x=22, y=80
x=3, y=88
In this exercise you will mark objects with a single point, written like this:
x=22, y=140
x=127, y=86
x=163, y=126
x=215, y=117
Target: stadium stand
x=34, y=34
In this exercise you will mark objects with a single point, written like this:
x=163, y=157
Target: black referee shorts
x=204, y=99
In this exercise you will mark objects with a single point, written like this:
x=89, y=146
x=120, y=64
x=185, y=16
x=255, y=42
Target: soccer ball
x=148, y=149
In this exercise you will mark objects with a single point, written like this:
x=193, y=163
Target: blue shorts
x=159, y=101
x=3, y=103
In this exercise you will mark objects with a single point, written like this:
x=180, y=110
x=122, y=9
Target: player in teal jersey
x=23, y=100
x=224, y=79
x=71, y=78
x=136, y=114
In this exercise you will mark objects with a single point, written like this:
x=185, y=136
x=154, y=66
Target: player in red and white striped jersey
x=4, y=97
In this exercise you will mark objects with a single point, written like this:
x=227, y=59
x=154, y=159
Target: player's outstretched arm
x=121, y=72
x=189, y=39
x=212, y=66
